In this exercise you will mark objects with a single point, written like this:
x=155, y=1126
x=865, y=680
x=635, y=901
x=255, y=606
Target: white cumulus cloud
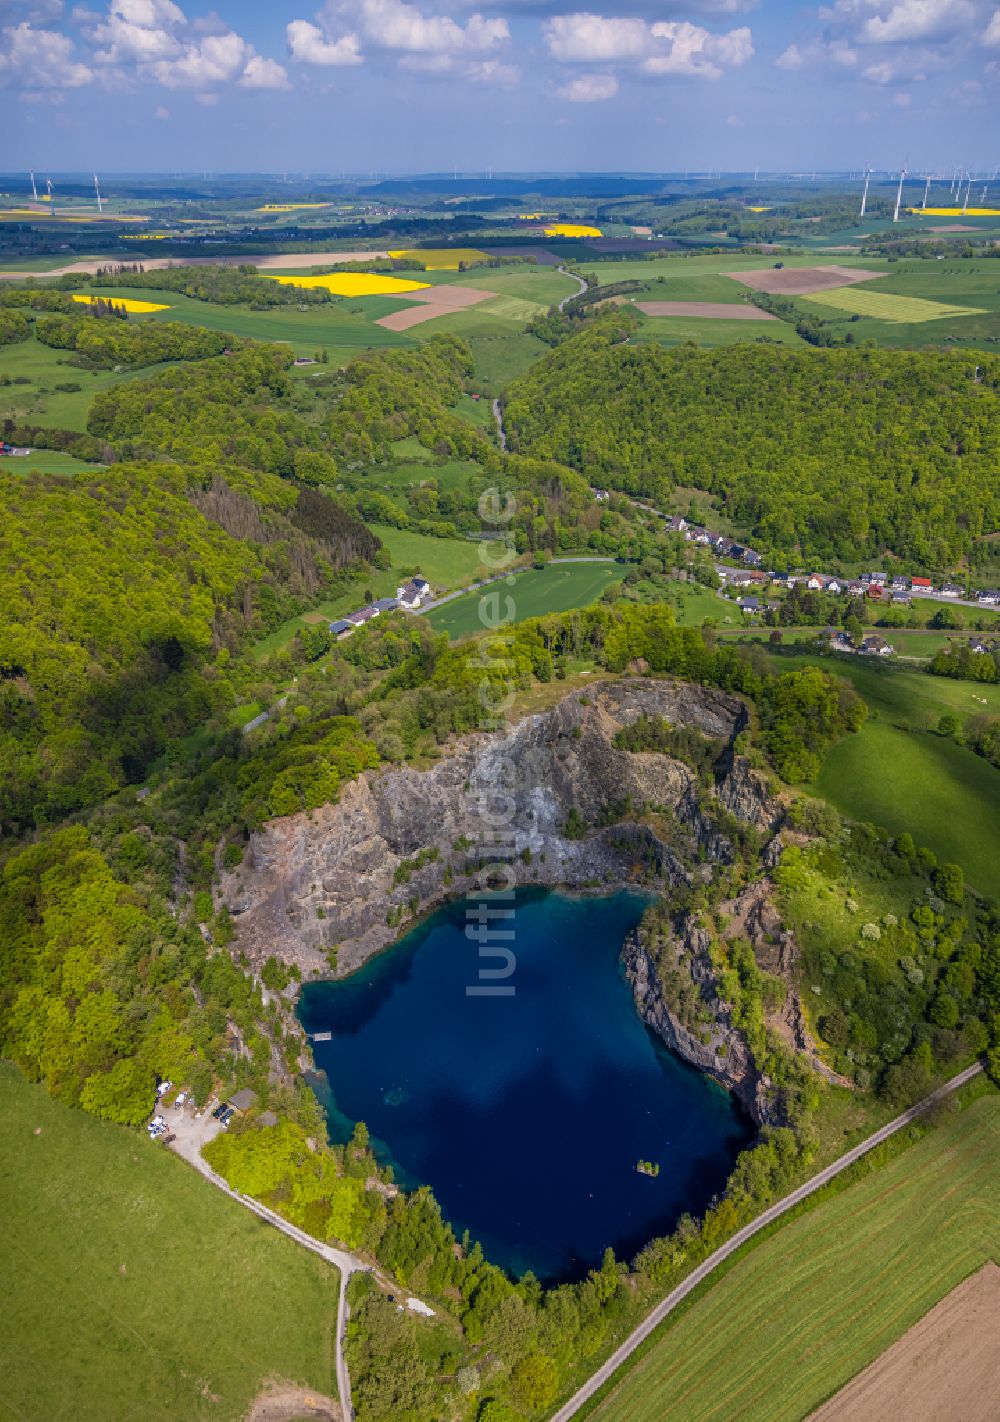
x=41, y=59
x=991, y=35
x=308, y=45
x=666, y=47
x=589, y=89
x=262, y=73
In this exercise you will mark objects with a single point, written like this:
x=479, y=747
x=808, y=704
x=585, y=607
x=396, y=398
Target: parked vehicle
x=181, y=1098
x=220, y=1111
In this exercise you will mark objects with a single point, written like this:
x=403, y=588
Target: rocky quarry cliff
x=576, y=810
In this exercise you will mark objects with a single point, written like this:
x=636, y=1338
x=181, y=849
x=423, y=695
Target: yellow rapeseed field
x=572, y=229
x=353, y=283
x=441, y=259
x=760, y=209
x=132, y=306
x=956, y=211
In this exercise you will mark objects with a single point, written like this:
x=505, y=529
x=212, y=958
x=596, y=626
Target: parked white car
x=181, y=1098
x=163, y=1088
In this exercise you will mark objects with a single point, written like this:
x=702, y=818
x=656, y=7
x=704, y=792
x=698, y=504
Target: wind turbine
x=97, y=190
x=34, y=190
x=927, y=188
x=968, y=190
x=899, y=192
x=864, y=195
x=52, y=208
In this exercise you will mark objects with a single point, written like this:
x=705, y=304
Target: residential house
x=921, y=585
x=723, y=546
x=743, y=578
x=900, y=584
x=751, y=605
x=880, y=578
x=816, y=582
x=835, y=585
x=695, y=534
x=341, y=629
x=978, y=646
x=856, y=588
x=241, y=1101
x=951, y=590
x=781, y=580
x=601, y=495
x=989, y=597
x=676, y=523
x=874, y=592
x=412, y=594
x=752, y=559
x=901, y=599
x=875, y=646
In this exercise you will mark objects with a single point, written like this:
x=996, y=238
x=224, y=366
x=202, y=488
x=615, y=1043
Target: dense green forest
x=223, y=286
x=822, y=455
x=123, y=596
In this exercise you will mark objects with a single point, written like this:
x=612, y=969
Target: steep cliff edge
x=349, y=875
x=676, y=994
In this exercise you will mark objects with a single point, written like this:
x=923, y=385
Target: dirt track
x=708, y=310
x=801, y=281
x=945, y=1369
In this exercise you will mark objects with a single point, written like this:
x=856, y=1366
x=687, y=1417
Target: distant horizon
x=543, y=85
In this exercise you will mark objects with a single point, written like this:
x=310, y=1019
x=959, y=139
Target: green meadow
x=132, y=1288
x=532, y=593
x=898, y=772
x=33, y=372
x=779, y=1332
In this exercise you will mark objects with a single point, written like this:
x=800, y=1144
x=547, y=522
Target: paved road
x=498, y=416
x=581, y=286
x=660, y=1312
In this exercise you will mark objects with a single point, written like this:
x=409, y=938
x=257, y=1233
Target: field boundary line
x=666, y=1306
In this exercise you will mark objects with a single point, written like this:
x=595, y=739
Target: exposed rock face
x=713, y=1044
x=332, y=877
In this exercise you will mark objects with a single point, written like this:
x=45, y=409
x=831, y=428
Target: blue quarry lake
x=525, y=1114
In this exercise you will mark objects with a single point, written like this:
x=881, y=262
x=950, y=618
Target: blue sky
x=418, y=85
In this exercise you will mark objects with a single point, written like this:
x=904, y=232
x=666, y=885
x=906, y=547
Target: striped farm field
x=884, y=306
x=799, y=1315
x=512, y=308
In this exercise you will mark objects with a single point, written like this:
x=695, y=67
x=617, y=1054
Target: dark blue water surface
x=525, y=1114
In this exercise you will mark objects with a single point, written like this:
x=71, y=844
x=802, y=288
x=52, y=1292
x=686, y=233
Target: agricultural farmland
x=885, y=306
x=803, y=1312
x=131, y=1288
x=533, y=593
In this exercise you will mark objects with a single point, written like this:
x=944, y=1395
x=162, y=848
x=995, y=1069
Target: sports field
x=533, y=593
x=884, y=306
x=823, y=1296
x=133, y=1289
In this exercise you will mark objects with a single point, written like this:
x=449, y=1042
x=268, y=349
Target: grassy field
x=42, y=368
x=305, y=330
x=898, y=773
x=557, y=588
x=445, y=562
x=48, y=461
x=677, y=330
x=499, y=359
x=449, y=474
x=542, y=285
x=887, y=305
x=133, y=1289
x=812, y=1305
